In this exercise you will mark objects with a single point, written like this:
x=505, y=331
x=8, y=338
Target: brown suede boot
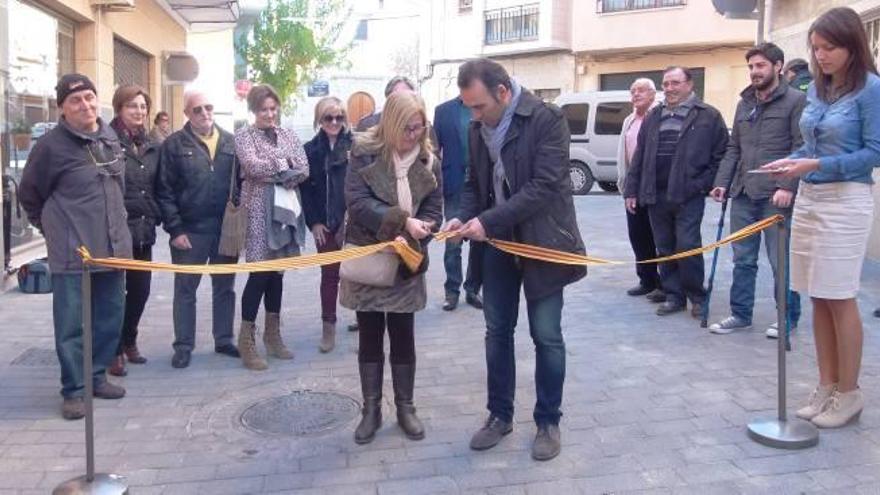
x=247, y=346
x=117, y=366
x=272, y=338
x=328, y=337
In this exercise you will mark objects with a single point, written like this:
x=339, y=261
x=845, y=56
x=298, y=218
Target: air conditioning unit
x=113, y=4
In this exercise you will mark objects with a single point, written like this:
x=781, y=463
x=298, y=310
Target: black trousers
x=7, y=233
x=137, y=291
x=641, y=238
x=259, y=284
x=371, y=330
x=677, y=228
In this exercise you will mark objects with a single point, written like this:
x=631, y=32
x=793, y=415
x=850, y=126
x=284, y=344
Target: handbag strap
x=232, y=178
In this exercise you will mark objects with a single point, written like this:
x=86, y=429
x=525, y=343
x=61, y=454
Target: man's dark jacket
x=447, y=119
x=323, y=194
x=539, y=210
x=141, y=174
x=761, y=134
x=71, y=189
x=192, y=188
x=701, y=145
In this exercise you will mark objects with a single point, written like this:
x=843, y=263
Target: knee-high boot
x=371, y=388
x=403, y=376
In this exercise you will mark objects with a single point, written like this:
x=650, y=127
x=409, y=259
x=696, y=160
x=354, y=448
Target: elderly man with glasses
x=71, y=190
x=195, y=170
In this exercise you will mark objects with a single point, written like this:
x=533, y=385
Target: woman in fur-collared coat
x=392, y=191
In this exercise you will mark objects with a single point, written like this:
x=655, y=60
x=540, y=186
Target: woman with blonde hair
x=324, y=201
x=392, y=192
x=834, y=208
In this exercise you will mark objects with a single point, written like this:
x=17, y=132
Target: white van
x=595, y=119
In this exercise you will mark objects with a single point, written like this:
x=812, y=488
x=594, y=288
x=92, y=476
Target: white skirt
x=829, y=237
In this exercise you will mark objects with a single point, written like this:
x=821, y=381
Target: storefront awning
x=214, y=12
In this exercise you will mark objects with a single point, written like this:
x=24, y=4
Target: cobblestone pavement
x=651, y=405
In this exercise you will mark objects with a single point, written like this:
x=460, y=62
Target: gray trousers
x=204, y=250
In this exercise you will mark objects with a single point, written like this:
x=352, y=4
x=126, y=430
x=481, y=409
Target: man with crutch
x=765, y=129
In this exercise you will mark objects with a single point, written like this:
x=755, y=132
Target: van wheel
x=581, y=178
x=608, y=186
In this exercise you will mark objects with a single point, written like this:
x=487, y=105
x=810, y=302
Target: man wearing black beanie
x=72, y=189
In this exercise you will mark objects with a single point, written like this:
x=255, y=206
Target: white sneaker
x=818, y=401
x=841, y=408
x=773, y=331
x=729, y=325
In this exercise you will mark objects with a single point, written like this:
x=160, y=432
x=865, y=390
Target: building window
x=511, y=24
x=576, y=114
x=872, y=28
x=605, y=6
x=609, y=118
x=465, y=5
x=130, y=65
x=39, y=47
x=547, y=95
x=361, y=33
x=623, y=80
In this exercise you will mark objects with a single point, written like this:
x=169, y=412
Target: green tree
x=291, y=41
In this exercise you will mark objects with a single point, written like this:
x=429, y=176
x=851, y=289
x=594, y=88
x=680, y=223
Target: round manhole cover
x=300, y=413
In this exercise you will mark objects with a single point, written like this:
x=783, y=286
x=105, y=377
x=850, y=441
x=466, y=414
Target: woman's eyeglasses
x=136, y=106
x=413, y=130
x=203, y=108
x=329, y=119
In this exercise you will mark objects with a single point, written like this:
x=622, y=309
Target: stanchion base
x=791, y=434
x=103, y=484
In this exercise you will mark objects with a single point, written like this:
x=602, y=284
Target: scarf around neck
x=402, y=165
x=494, y=139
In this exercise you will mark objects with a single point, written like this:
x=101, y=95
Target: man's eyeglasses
x=203, y=108
x=413, y=130
x=329, y=119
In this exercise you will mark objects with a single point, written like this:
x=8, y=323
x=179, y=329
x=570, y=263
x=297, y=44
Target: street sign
x=319, y=88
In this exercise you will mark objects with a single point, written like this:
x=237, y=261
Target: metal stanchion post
x=91, y=483
x=783, y=433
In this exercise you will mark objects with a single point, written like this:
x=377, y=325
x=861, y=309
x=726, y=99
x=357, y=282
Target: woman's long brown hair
x=842, y=27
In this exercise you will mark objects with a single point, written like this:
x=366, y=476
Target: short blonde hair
x=383, y=138
x=326, y=105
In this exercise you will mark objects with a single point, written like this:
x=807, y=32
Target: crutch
x=705, y=321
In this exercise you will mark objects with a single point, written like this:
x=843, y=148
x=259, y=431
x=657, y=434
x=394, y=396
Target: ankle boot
x=247, y=346
x=403, y=377
x=842, y=408
x=133, y=355
x=117, y=366
x=272, y=338
x=328, y=337
x=817, y=402
x=371, y=387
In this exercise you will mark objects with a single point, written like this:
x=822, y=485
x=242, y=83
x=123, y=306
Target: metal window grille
x=605, y=6
x=872, y=29
x=511, y=24
x=130, y=65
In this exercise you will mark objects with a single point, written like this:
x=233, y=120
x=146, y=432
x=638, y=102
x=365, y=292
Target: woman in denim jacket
x=834, y=208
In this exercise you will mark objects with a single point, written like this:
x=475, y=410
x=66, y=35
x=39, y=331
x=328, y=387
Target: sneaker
x=107, y=390
x=729, y=325
x=491, y=433
x=772, y=331
x=73, y=408
x=817, y=402
x=547, y=444
x=840, y=409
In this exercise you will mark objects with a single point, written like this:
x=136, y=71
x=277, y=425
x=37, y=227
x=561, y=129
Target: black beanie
x=71, y=83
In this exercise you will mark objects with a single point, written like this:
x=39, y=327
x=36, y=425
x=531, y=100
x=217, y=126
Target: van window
x=576, y=114
x=610, y=117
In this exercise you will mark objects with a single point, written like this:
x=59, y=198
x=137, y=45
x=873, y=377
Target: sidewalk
x=652, y=405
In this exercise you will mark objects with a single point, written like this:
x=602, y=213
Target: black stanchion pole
x=783, y=433
x=91, y=483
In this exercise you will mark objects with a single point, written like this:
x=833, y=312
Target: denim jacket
x=844, y=135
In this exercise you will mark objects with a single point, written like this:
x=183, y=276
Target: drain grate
x=34, y=356
x=300, y=413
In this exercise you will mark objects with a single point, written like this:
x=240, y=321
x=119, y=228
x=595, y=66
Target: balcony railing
x=511, y=24
x=605, y=6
